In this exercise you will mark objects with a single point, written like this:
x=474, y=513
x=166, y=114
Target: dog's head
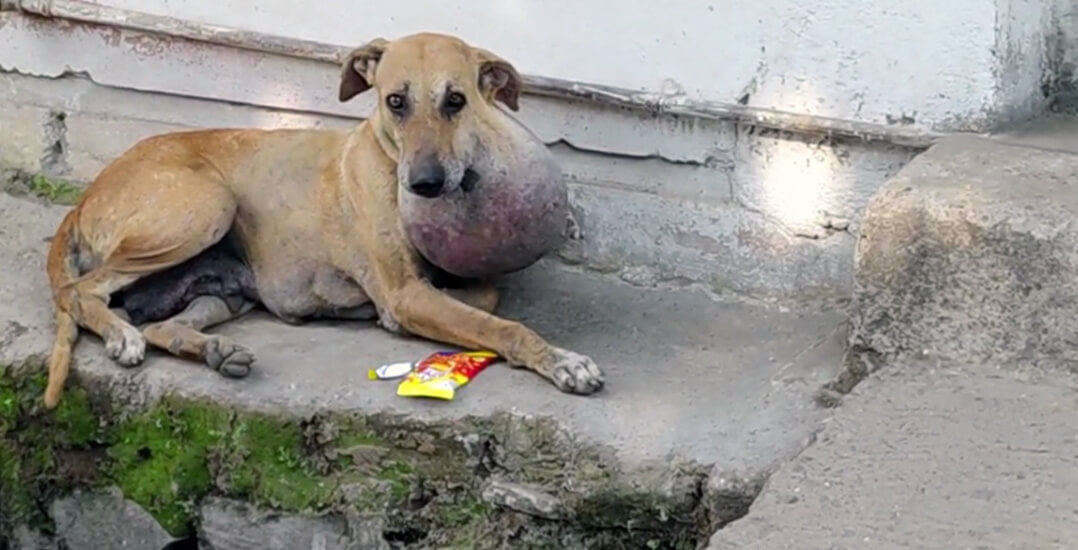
x=436, y=99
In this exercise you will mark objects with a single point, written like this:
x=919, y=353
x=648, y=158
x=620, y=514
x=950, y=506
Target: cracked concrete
x=54, y=150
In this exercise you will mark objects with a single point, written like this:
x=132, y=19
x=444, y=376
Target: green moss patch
x=423, y=480
x=159, y=460
x=30, y=447
x=51, y=190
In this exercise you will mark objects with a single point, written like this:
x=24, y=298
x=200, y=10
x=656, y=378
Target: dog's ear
x=498, y=79
x=357, y=69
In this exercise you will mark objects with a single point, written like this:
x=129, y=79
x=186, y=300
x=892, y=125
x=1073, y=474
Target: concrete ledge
x=926, y=458
x=704, y=398
x=971, y=252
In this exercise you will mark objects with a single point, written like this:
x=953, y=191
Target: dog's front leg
x=428, y=312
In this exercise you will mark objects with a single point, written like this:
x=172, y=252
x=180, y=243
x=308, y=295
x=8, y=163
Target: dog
x=188, y=230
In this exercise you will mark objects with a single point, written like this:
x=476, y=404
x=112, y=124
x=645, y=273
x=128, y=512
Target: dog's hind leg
x=154, y=220
x=87, y=300
x=181, y=335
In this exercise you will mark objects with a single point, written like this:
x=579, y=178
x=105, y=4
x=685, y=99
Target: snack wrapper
x=440, y=374
x=390, y=371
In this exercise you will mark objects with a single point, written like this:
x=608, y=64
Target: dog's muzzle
x=427, y=178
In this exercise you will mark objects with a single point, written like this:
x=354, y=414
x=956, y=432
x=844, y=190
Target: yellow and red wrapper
x=442, y=373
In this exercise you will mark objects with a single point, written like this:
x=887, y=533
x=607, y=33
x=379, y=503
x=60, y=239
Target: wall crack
x=54, y=153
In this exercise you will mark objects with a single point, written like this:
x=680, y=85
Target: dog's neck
x=366, y=149
x=383, y=137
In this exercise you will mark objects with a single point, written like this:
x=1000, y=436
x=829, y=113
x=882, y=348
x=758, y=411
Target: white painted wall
x=955, y=63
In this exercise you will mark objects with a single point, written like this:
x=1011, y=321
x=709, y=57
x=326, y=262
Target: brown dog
x=195, y=228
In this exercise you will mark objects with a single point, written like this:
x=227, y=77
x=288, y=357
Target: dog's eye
x=455, y=101
x=395, y=102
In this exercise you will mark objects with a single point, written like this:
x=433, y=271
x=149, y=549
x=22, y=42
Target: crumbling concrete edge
x=530, y=474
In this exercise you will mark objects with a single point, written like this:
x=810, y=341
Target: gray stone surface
x=233, y=525
x=924, y=457
x=710, y=381
x=24, y=538
x=1052, y=133
x=24, y=138
x=970, y=253
x=98, y=520
x=522, y=498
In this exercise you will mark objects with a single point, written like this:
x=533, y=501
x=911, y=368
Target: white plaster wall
x=941, y=64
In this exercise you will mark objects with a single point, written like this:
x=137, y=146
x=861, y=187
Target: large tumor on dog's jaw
x=504, y=220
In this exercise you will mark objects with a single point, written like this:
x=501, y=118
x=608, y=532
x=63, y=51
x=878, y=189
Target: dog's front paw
x=125, y=345
x=574, y=373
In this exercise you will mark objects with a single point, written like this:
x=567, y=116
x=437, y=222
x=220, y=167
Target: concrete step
x=970, y=253
x=963, y=322
x=1050, y=133
x=704, y=396
x=929, y=458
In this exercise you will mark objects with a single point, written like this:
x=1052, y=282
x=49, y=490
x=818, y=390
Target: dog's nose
x=427, y=179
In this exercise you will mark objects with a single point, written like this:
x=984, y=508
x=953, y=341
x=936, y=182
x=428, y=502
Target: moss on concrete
x=264, y=460
x=159, y=459
x=422, y=479
x=645, y=516
x=29, y=445
x=50, y=189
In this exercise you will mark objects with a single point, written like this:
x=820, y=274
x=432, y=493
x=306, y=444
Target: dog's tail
x=62, y=272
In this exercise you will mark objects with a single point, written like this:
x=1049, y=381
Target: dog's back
x=230, y=152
